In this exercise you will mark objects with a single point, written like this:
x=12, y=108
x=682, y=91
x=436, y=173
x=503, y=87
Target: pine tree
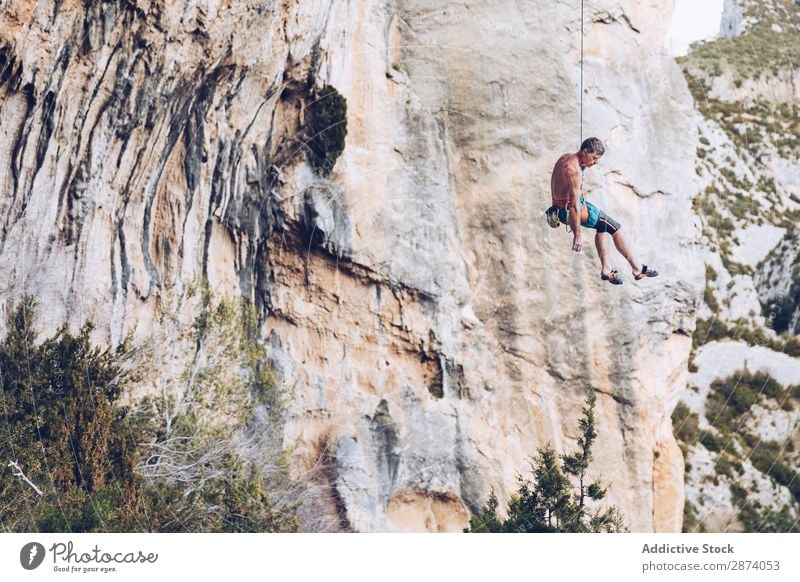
x=486, y=521
x=577, y=464
x=552, y=488
x=550, y=502
x=525, y=512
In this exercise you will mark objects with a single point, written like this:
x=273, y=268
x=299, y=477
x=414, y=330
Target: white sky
x=692, y=20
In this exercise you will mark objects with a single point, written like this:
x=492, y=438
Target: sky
x=692, y=20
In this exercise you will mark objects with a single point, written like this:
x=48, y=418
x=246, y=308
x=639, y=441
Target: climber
x=566, y=186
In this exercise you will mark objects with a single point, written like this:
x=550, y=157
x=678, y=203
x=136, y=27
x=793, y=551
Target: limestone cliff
x=433, y=330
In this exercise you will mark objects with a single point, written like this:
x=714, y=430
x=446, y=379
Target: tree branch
x=21, y=475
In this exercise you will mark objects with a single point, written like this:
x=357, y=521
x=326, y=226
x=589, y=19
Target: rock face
x=741, y=455
x=778, y=282
x=731, y=22
x=433, y=330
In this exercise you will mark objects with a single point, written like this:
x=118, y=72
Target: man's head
x=592, y=149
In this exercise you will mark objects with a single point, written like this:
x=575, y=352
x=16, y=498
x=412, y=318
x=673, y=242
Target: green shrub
x=733, y=396
x=710, y=442
x=772, y=459
x=766, y=456
x=776, y=520
x=748, y=513
x=710, y=300
x=66, y=431
x=713, y=329
x=741, y=389
x=709, y=330
x=742, y=206
x=327, y=128
x=690, y=522
x=738, y=395
x=685, y=424
x=104, y=466
x=728, y=466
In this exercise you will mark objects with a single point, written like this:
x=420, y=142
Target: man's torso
x=560, y=182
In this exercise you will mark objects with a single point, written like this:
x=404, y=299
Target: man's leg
x=624, y=249
x=602, y=252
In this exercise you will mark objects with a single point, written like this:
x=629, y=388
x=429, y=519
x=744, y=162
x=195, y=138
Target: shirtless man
x=571, y=208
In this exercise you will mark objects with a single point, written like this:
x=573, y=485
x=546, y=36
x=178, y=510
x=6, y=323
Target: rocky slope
x=432, y=329
x=738, y=423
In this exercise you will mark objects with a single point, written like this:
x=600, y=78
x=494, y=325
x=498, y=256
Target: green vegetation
x=66, y=432
x=756, y=127
x=153, y=465
x=709, y=299
x=728, y=403
x=690, y=522
x=728, y=465
x=731, y=398
x=769, y=458
x=749, y=514
x=685, y=425
x=713, y=329
x=759, y=51
x=741, y=207
x=766, y=185
x=749, y=124
x=719, y=228
x=757, y=519
x=710, y=442
x=733, y=179
x=327, y=128
x=735, y=392
x=555, y=500
x=731, y=266
x=708, y=293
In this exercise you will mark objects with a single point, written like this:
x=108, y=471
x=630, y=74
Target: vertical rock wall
x=433, y=331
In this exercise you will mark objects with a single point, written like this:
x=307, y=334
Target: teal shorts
x=598, y=219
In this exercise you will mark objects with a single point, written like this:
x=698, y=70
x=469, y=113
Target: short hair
x=593, y=145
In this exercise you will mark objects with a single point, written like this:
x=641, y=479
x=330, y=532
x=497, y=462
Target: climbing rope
x=581, y=114
x=581, y=120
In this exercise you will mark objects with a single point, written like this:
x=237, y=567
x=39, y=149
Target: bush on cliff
x=75, y=458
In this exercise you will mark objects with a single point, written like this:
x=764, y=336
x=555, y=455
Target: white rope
x=581, y=115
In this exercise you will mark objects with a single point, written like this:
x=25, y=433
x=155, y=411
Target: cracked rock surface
x=433, y=330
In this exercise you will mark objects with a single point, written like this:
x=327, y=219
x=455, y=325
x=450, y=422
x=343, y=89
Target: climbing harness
x=554, y=221
x=551, y=216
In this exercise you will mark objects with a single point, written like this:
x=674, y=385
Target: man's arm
x=574, y=207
